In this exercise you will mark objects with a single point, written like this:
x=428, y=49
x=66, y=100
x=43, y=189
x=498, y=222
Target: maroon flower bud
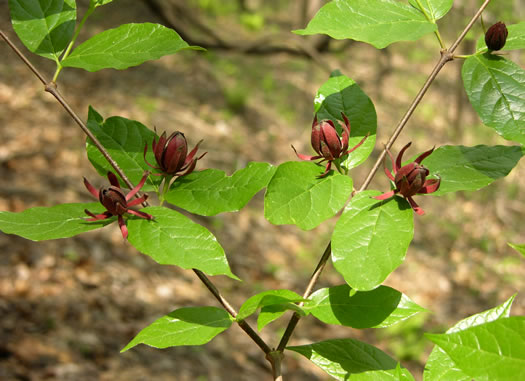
x=116, y=203
x=496, y=36
x=327, y=143
x=171, y=154
x=410, y=179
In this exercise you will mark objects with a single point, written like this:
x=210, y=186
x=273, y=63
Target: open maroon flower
x=328, y=144
x=116, y=203
x=171, y=154
x=410, y=179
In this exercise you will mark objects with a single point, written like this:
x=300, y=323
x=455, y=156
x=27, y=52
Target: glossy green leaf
x=174, y=239
x=342, y=94
x=519, y=248
x=275, y=311
x=489, y=351
x=378, y=308
x=210, y=192
x=59, y=221
x=435, y=9
x=125, y=140
x=99, y=3
x=45, y=27
x=371, y=238
x=496, y=89
x=377, y=22
x=440, y=366
x=125, y=46
x=349, y=359
x=515, y=39
x=471, y=168
x=267, y=298
x=296, y=195
x=185, y=326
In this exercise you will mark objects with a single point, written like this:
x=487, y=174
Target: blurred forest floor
x=67, y=307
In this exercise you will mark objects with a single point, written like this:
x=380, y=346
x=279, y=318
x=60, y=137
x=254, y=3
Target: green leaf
x=174, y=239
x=125, y=140
x=378, y=308
x=59, y=221
x=348, y=359
x=274, y=312
x=371, y=238
x=435, y=9
x=99, y=3
x=125, y=46
x=377, y=22
x=440, y=366
x=519, y=248
x=471, y=168
x=515, y=39
x=342, y=94
x=296, y=195
x=210, y=192
x=185, y=326
x=489, y=351
x=267, y=298
x=45, y=27
x=496, y=89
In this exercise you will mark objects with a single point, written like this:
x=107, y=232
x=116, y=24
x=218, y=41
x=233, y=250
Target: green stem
x=422, y=9
x=88, y=13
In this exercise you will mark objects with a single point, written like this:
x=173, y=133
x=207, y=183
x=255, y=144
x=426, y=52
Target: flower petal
x=415, y=206
x=425, y=154
x=113, y=180
x=91, y=188
x=358, y=144
x=399, y=158
x=346, y=133
x=430, y=186
x=385, y=195
x=138, y=213
x=134, y=191
x=305, y=157
x=123, y=227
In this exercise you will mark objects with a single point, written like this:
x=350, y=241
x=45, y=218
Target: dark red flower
x=496, y=36
x=328, y=144
x=116, y=203
x=410, y=179
x=171, y=154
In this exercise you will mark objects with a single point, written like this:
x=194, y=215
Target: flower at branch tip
x=116, y=203
x=171, y=154
x=496, y=36
x=410, y=179
x=328, y=144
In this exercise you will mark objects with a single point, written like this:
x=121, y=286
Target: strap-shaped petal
x=146, y=160
x=415, y=206
x=113, y=180
x=139, y=200
x=385, y=195
x=358, y=144
x=345, y=135
x=305, y=157
x=399, y=158
x=123, y=227
x=138, y=213
x=91, y=188
x=430, y=186
x=425, y=154
x=134, y=191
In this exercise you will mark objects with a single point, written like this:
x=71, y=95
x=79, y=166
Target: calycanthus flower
x=328, y=144
x=171, y=154
x=116, y=203
x=410, y=179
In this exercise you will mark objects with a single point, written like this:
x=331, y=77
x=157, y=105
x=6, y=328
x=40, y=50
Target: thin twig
x=227, y=306
x=446, y=56
x=51, y=88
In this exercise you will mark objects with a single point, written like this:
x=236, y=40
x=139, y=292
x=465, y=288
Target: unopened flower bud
x=496, y=36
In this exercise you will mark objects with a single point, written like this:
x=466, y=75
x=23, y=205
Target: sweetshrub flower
x=116, y=203
x=171, y=154
x=328, y=144
x=410, y=179
x=496, y=36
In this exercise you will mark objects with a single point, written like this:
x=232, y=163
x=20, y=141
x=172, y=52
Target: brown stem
x=51, y=88
x=227, y=306
x=275, y=358
x=446, y=56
